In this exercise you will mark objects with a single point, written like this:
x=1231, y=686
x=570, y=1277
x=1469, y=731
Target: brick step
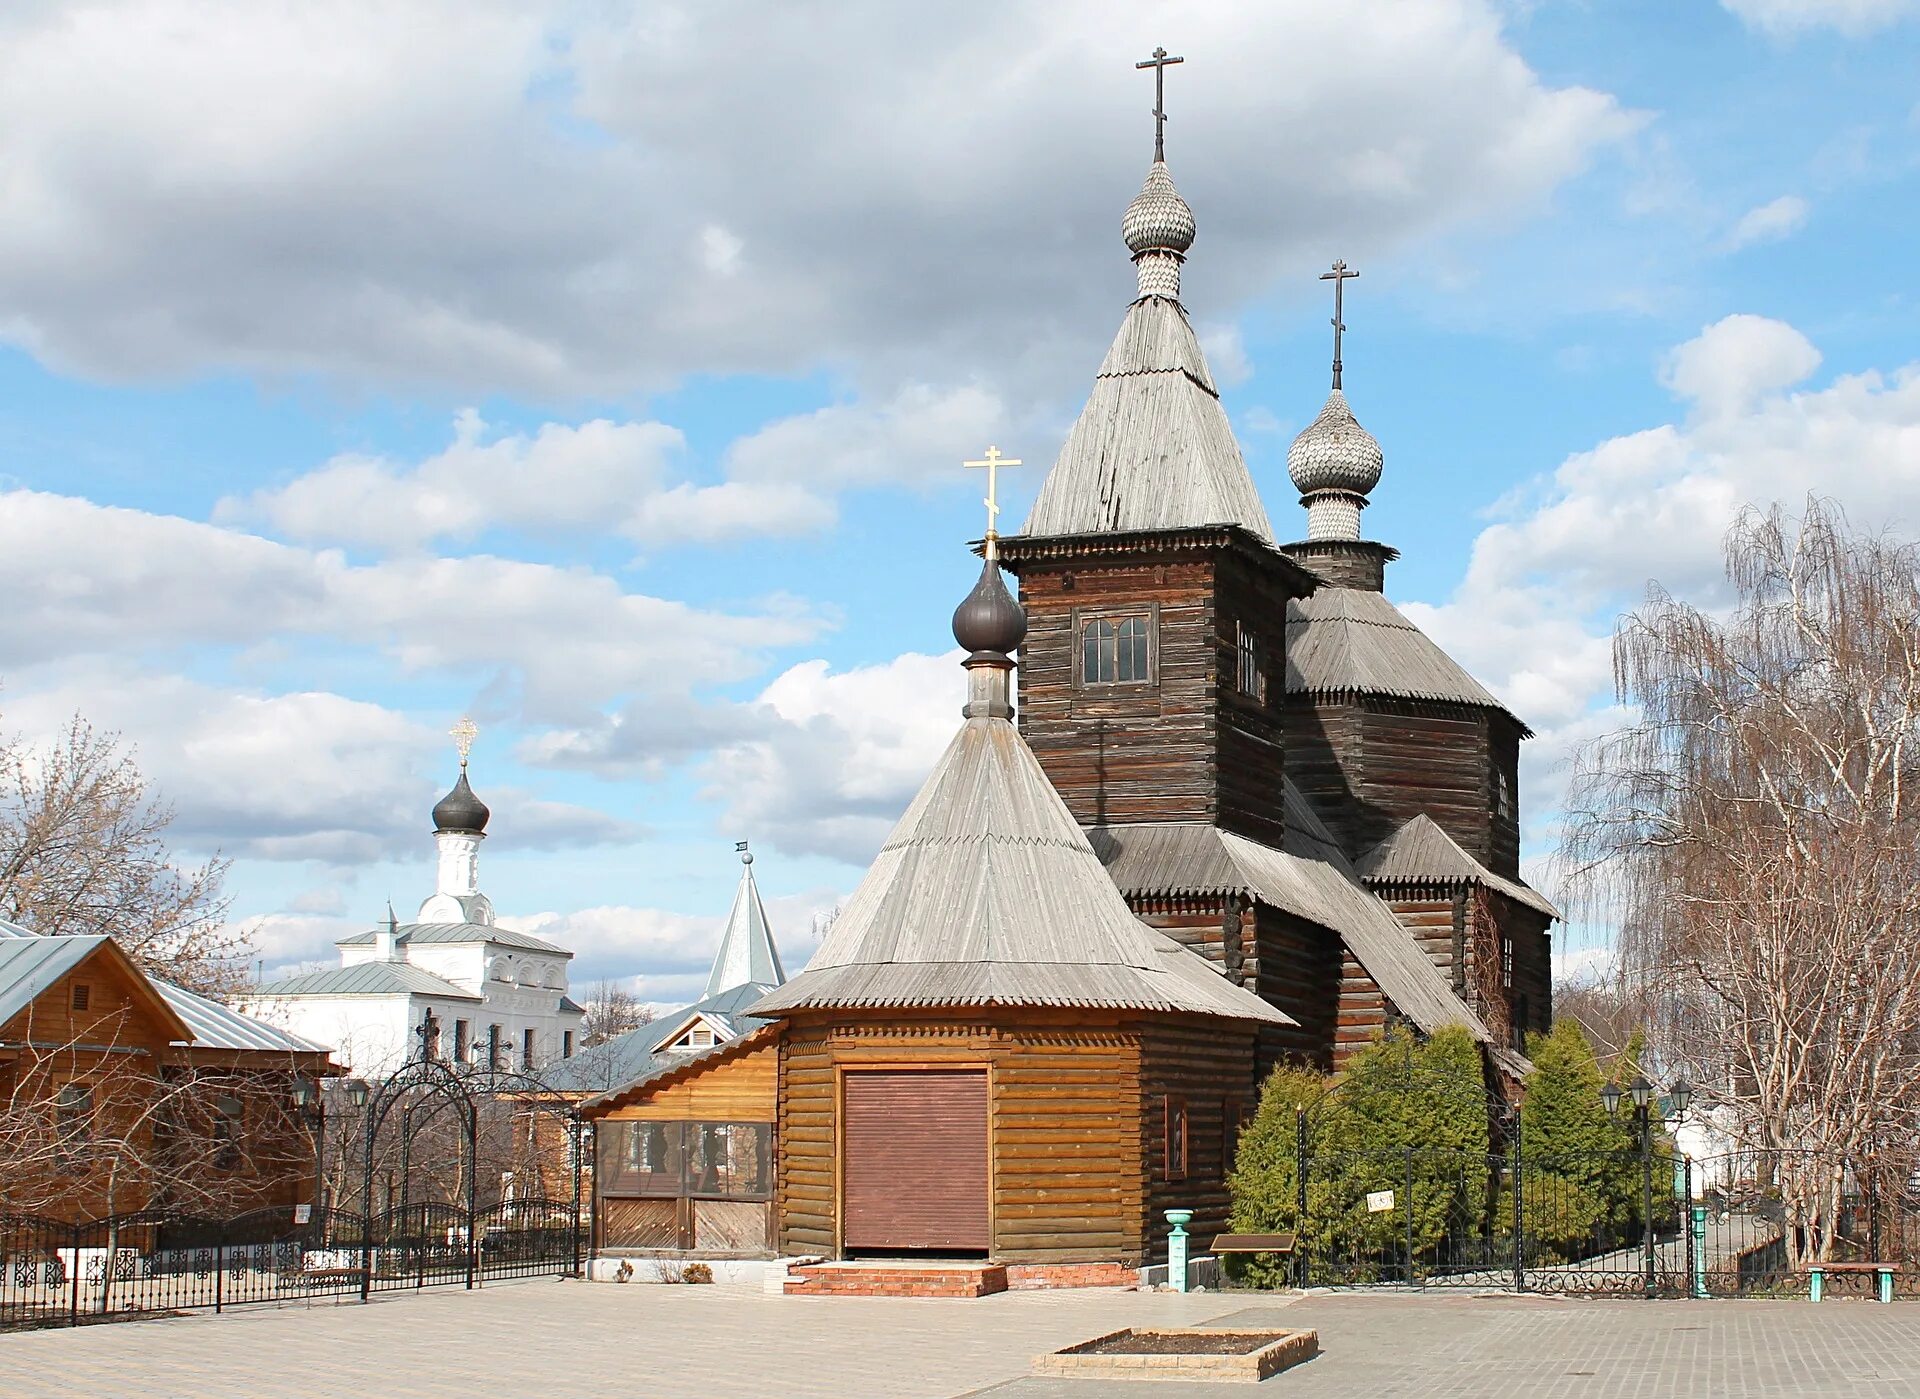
x=833, y=1280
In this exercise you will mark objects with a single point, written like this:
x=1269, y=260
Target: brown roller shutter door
x=916, y=1160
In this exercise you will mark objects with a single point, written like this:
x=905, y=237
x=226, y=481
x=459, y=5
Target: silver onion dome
x=1334, y=453
x=1158, y=220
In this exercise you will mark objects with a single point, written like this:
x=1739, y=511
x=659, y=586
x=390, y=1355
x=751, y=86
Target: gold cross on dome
x=993, y=461
x=463, y=735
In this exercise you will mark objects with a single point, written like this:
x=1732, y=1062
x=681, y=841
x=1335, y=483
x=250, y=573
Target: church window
x=1506, y=961
x=526, y=1049
x=1116, y=650
x=1251, y=675
x=462, y=1042
x=566, y=1044
x=496, y=1052
x=1503, y=794
x=1174, y=1109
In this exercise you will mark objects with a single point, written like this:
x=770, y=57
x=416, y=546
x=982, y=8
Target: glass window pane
x=1090, y=653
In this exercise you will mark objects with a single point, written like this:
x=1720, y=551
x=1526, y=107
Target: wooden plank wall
x=737, y=1090
x=1299, y=973
x=1364, y=1010
x=1120, y=753
x=1064, y=1103
x=1205, y=1065
x=1251, y=760
x=1323, y=760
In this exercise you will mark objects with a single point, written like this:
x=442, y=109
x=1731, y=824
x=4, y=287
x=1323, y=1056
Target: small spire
x=747, y=953
x=393, y=919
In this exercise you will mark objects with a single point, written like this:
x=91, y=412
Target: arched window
x=1116, y=650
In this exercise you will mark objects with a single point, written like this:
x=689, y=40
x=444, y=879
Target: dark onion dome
x=460, y=809
x=989, y=619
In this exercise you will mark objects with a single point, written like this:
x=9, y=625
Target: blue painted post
x=1177, y=1248
x=1699, y=1213
x=1886, y=1284
x=1817, y=1283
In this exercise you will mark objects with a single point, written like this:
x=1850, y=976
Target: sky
x=604, y=372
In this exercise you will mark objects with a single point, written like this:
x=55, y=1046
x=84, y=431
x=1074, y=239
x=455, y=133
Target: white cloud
x=1738, y=360
x=662, y=956
x=500, y=197
x=913, y=435
x=1533, y=616
x=1770, y=222
x=1850, y=17
x=111, y=581
x=838, y=755
x=597, y=476
x=302, y=776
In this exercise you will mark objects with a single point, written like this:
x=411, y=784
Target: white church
x=489, y=997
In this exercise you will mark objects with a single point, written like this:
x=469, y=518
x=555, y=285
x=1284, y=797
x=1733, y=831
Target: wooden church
x=1246, y=813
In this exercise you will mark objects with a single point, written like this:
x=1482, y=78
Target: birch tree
x=1755, y=832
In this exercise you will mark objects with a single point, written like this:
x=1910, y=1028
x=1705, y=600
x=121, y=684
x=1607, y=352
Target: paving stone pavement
x=540, y=1338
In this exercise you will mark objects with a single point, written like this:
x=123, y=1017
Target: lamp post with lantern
x=1641, y=1094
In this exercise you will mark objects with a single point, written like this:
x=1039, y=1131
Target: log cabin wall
x=1130, y=751
x=1365, y=1011
x=1251, y=598
x=1068, y=1177
x=1204, y=1073
x=1371, y=763
x=1291, y=963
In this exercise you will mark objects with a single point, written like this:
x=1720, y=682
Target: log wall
x=1064, y=1092
x=1369, y=764
x=1208, y=1069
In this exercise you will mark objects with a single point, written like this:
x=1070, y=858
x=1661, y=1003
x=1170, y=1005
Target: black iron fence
x=1643, y=1224
x=155, y=1262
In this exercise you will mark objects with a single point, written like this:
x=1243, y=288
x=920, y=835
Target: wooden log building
x=1250, y=813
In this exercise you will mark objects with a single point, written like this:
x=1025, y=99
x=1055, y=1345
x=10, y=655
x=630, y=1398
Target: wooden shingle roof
x=1420, y=853
x=1309, y=878
x=987, y=893
x=1152, y=449
x=1353, y=641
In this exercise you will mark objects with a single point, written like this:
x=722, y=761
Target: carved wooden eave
x=1147, y=545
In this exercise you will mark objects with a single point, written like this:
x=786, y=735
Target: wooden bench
x=1251, y=1243
x=1883, y=1272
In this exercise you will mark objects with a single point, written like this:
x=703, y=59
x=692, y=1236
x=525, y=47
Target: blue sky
x=604, y=371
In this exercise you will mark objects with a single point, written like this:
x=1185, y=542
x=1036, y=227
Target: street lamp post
x=1641, y=1094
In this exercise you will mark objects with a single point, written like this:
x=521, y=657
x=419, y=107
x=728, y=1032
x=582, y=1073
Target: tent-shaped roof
x=987, y=892
x=747, y=954
x=1352, y=640
x=1421, y=853
x=1152, y=449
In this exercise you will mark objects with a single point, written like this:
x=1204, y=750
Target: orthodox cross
x=1159, y=63
x=1341, y=272
x=429, y=1033
x=993, y=461
x=463, y=735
